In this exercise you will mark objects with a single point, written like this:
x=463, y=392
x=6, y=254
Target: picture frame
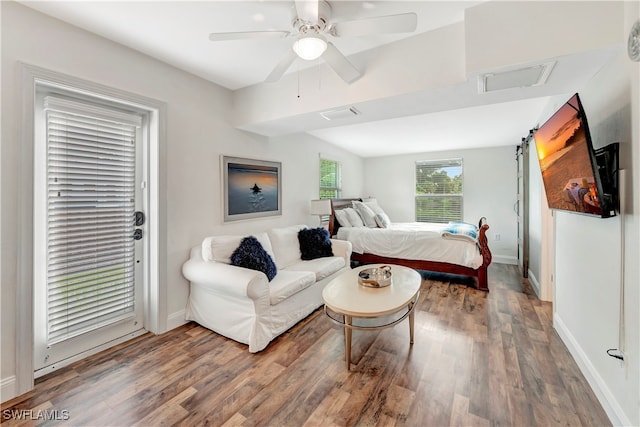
x=251, y=188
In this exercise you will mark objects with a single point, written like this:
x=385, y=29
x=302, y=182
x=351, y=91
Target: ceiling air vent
x=343, y=113
x=522, y=77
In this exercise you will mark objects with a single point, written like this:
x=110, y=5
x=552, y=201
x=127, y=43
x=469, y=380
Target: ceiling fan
x=311, y=27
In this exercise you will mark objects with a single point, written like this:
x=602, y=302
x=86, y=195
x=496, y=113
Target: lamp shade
x=310, y=47
x=321, y=207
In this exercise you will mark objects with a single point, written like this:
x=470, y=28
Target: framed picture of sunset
x=251, y=188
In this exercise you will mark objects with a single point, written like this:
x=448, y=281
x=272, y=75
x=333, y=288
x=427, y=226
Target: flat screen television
x=576, y=177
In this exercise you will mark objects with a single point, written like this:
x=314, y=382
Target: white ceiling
x=176, y=32
x=444, y=130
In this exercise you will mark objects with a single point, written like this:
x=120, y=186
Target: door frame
x=155, y=293
x=522, y=159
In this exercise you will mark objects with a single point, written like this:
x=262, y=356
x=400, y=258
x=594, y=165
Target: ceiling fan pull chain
x=298, y=77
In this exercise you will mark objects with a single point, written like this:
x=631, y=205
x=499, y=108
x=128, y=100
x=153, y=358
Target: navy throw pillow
x=251, y=254
x=314, y=243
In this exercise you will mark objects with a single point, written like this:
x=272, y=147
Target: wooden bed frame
x=442, y=267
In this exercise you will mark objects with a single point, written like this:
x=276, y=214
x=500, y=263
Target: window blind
x=439, y=191
x=90, y=221
x=329, y=179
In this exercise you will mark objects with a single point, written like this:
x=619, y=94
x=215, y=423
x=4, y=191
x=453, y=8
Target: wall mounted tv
x=576, y=177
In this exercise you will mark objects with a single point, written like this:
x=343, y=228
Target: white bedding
x=412, y=240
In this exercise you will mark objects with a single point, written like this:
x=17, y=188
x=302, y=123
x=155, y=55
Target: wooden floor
x=478, y=359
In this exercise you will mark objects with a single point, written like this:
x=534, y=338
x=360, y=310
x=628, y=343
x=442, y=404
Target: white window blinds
x=439, y=191
x=329, y=179
x=90, y=220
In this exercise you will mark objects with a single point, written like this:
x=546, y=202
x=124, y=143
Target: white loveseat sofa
x=241, y=303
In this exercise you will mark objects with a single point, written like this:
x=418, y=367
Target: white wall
x=535, y=216
x=490, y=181
x=197, y=133
x=588, y=255
x=504, y=33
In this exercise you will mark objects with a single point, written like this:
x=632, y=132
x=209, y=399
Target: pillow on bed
x=367, y=215
x=314, y=243
x=342, y=218
x=383, y=220
x=251, y=254
x=354, y=217
x=373, y=205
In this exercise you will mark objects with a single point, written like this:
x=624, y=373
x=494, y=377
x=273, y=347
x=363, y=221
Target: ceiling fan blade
x=340, y=64
x=307, y=10
x=403, y=23
x=282, y=67
x=215, y=37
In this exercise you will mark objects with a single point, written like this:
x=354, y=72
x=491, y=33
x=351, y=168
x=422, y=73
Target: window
x=439, y=190
x=330, y=185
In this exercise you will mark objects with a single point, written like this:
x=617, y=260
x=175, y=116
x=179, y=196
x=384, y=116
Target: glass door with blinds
x=90, y=239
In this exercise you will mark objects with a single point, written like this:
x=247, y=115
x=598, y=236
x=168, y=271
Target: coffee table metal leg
x=411, y=322
x=347, y=341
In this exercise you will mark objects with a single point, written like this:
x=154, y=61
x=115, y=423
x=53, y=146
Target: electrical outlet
x=496, y=237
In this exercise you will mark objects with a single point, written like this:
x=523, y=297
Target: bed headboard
x=337, y=204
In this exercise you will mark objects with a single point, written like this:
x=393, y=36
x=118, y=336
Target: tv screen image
x=567, y=161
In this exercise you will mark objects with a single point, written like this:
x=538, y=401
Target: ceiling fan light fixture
x=310, y=47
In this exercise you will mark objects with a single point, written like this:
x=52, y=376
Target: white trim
x=176, y=319
x=84, y=110
x=605, y=396
x=155, y=320
x=8, y=388
x=24, y=292
x=534, y=283
x=505, y=259
x=68, y=361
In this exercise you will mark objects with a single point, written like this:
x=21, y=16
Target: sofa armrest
x=343, y=249
x=227, y=279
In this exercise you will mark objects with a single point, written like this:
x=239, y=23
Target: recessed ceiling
x=446, y=130
x=176, y=32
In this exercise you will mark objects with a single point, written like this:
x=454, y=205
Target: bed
x=416, y=245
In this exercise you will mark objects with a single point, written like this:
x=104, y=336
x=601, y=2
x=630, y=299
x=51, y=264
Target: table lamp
x=321, y=208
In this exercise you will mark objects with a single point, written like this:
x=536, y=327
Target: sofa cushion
x=220, y=248
x=251, y=254
x=314, y=243
x=287, y=283
x=284, y=242
x=321, y=267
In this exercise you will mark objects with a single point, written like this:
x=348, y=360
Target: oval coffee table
x=346, y=297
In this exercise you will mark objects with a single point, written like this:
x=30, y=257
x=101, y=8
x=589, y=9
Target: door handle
x=140, y=218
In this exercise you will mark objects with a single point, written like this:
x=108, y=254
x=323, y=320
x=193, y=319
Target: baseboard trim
x=603, y=393
x=534, y=282
x=505, y=259
x=176, y=319
x=8, y=388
